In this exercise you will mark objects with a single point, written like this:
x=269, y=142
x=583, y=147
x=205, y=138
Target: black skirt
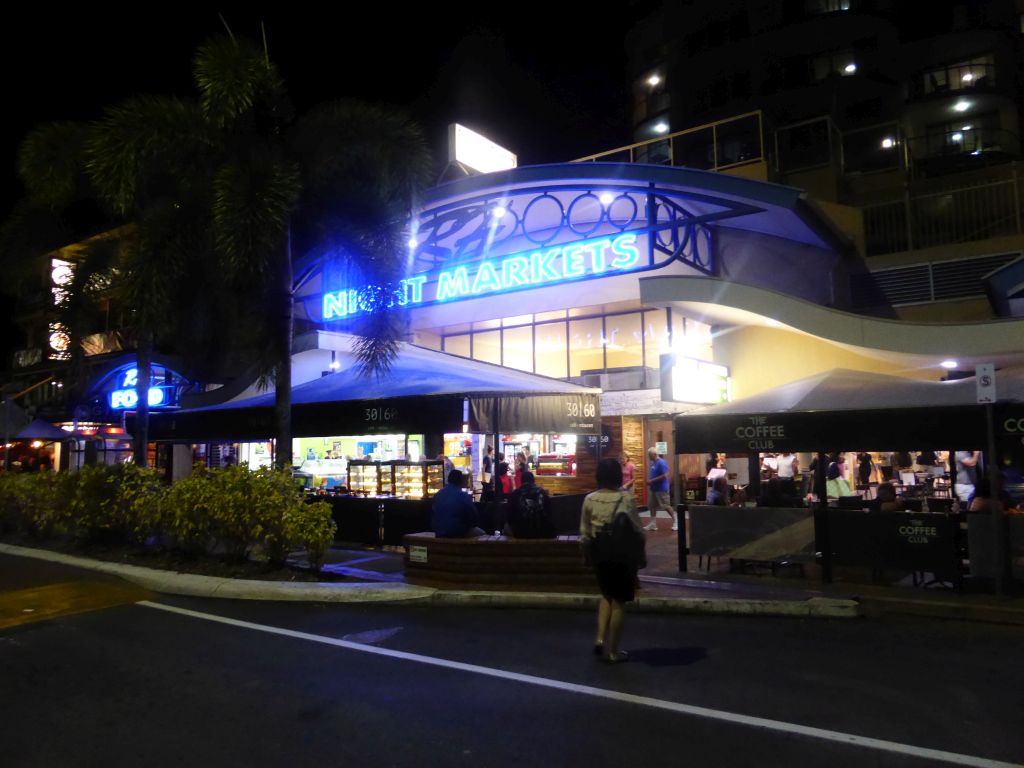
x=616, y=581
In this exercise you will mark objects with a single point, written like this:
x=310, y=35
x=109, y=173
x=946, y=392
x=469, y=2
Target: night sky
x=549, y=85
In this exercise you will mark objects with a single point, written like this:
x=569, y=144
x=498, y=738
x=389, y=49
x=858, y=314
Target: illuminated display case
x=364, y=477
x=404, y=479
x=556, y=465
x=417, y=479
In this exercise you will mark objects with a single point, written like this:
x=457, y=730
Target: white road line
x=848, y=739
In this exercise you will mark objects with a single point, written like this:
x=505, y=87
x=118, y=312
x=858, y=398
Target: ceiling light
x=888, y=143
x=661, y=127
x=962, y=106
x=965, y=128
x=606, y=198
x=949, y=364
x=653, y=80
x=957, y=137
x=976, y=152
x=498, y=211
x=967, y=77
x=850, y=68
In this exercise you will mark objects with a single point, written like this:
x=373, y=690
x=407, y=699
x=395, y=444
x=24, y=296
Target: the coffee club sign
x=559, y=264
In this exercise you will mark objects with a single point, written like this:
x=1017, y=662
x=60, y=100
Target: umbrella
x=42, y=430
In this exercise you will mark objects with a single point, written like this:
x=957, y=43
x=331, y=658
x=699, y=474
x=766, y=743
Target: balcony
x=977, y=74
x=717, y=146
x=961, y=148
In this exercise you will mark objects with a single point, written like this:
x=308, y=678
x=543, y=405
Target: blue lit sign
x=127, y=397
x=121, y=399
x=574, y=261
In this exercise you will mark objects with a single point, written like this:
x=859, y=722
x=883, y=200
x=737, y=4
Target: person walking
x=616, y=580
x=657, y=483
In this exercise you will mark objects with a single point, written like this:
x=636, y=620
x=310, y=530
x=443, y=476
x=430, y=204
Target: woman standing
x=628, y=472
x=617, y=581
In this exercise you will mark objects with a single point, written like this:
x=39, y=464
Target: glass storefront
x=569, y=343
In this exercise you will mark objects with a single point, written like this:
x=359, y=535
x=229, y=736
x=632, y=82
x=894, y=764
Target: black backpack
x=530, y=517
x=619, y=542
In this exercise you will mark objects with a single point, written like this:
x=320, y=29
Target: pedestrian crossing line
x=849, y=739
x=25, y=606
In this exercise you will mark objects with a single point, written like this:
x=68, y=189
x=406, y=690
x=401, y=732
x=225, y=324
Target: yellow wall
x=761, y=358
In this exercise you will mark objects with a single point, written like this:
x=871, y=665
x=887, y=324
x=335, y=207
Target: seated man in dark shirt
x=529, y=511
x=453, y=514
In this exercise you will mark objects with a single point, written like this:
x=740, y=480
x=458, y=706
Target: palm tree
x=237, y=164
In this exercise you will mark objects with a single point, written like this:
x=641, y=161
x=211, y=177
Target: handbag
x=618, y=541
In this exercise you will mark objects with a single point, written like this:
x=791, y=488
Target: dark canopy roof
x=851, y=410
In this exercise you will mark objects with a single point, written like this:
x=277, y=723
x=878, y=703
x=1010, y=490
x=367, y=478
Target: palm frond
x=252, y=204
x=235, y=77
x=144, y=148
x=50, y=163
x=378, y=340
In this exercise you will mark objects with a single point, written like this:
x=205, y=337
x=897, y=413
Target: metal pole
x=998, y=539
x=7, y=434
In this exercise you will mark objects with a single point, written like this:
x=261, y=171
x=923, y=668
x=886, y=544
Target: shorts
x=661, y=500
x=616, y=581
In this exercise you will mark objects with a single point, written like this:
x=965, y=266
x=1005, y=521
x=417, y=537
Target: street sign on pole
x=985, y=382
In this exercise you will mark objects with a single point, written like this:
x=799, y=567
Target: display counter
x=556, y=465
x=401, y=479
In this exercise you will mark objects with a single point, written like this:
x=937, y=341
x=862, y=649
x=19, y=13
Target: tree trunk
x=283, y=370
x=144, y=363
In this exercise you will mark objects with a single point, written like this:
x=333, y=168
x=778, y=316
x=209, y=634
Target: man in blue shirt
x=453, y=515
x=657, y=483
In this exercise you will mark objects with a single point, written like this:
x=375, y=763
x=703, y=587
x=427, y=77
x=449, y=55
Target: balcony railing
x=979, y=75
x=715, y=146
x=960, y=215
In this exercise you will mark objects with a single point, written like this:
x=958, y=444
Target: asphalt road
x=128, y=683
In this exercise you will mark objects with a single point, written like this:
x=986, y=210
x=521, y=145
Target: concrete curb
x=193, y=585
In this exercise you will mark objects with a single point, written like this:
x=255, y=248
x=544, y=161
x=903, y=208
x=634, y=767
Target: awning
x=40, y=429
x=852, y=410
x=425, y=392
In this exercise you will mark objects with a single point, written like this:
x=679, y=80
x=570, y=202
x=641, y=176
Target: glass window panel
x=457, y=345
x=586, y=352
x=585, y=311
x=517, y=320
x=517, y=348
x=487, y=347
x=655, y=337
x=623, y=334
x=458, y=328
x=485, y=325
x=558, y=314
x=428, y=339
x=551, y=350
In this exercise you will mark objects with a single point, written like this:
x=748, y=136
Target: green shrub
x=312, y=527
x=29, y=503
x=186, y=512
x=114, y=503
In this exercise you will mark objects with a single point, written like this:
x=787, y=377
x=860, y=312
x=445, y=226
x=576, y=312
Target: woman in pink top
x=628, y=472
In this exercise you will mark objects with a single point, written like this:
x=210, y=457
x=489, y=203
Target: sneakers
x=651, y=526
x=675, y=525
x=616, y=658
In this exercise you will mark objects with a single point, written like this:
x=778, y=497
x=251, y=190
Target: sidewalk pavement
x=378, y=576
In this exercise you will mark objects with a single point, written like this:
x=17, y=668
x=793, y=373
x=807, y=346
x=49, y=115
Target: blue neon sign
x=127, y=396
x=587, y=258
